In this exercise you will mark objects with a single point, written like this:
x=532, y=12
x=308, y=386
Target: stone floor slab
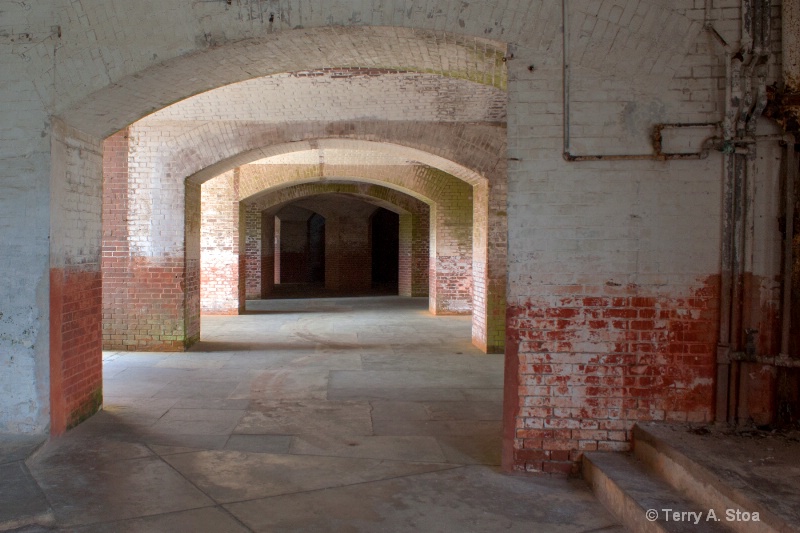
x=198, y=422
x=474, y=449
x=191, y=389
x=21, y=501
x=83, y=493
x=103, y=450
x=389, y=410
x=285, y=384
x=386, y=379
x=467, y=499
x=259, y=443
x=306, y=418
x=436, y=428
x=416, y=449
x=237, y=476
x=206, y=520
x=399, y=394
x=18, y=447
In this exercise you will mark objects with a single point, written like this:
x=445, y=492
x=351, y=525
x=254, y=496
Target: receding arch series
x=571, y=244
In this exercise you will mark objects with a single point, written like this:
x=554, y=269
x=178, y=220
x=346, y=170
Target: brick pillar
x=451, y=252
x=192, y=272
x=253, y=241
x=497, y=262
x=268, y=253
x=147, y=278
x=414, y=254
x=221, y=282
x=76, y=301
x=489, y=266
x=116, y=248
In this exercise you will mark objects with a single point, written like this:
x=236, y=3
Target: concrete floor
x=362, y=414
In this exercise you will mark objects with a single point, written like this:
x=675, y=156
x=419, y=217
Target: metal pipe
x=565, y=74
x=791, y=160
x=746, y=39
x=790, y=51
x=658, y=154
x=726, y=283
x=761, y=57
x=737, y=276
x=766, y=25
x=748, y=213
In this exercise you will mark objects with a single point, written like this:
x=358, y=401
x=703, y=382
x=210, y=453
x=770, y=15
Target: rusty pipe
x=791, y=159
x=726, y=284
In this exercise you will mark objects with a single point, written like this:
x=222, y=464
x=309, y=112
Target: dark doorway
x=385, y=228
x=316, y=248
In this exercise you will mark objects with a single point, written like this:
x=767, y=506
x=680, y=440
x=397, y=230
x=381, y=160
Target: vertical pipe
x=791, y=160
x=766, y=27
x=726, y=282
x=737, y=270
x=565, y=74
x=790, y=44
x=747, y=27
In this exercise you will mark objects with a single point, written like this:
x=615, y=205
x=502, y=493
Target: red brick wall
x=76, y=369
x=348, y=253
x=593, y=360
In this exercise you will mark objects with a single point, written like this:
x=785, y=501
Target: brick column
x=414, y=254
x=489, y=266
x=76, y=301
x=220, y=246
x=149, y=273
x=451, y=252
x=268, y=253
x=253, y=245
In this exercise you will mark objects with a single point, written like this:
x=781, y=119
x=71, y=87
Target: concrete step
x=710, y=477
x=641, y=501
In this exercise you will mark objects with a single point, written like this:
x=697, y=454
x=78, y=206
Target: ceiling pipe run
x=655, y=138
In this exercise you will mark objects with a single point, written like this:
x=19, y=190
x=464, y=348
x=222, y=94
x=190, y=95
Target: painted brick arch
x=379, y=195
x=201, y=151
x=210, y=66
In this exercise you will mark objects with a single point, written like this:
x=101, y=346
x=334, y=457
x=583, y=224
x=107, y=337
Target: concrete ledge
x=708, y=488
x=631, y=493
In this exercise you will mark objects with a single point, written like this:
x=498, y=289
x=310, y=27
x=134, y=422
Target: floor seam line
x=454, y=467
x=216, y=502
